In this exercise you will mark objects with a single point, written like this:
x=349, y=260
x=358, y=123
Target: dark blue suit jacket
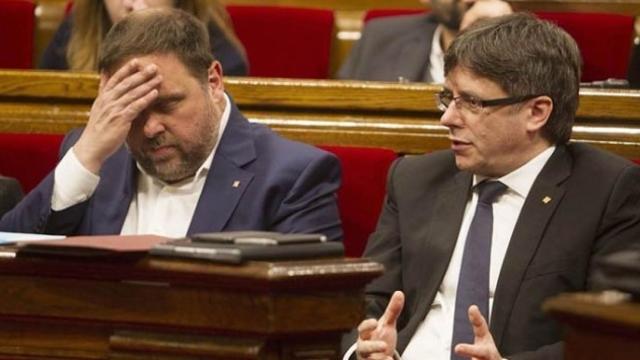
x=283, y=186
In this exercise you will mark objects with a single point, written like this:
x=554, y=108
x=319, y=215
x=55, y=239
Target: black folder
x=237, y=253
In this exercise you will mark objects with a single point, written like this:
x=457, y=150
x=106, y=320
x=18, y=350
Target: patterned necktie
x=473, y=283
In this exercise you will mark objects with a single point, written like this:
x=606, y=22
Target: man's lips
x=458, y=144
x=161, y=151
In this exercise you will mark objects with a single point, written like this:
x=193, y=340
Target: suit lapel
x=227, y=180
x=545, y=195
x=437, y=248
x=114, y=194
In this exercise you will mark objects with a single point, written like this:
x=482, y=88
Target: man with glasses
x=475, y=238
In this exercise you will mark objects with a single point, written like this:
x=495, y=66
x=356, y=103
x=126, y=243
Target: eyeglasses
x=444, y=99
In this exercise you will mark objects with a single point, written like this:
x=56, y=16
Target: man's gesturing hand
x=377, y=338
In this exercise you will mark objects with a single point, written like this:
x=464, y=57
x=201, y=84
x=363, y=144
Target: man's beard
x=181, y=165
x=450, y=16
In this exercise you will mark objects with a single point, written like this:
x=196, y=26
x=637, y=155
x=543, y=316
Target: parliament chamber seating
x=604, y=39
x=16, y=34
x=365, y=124
x=285, y=41
x=30, y=157
x=364, y=177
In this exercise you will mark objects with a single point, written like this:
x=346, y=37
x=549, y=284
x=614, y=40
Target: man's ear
x=538, y=112
x=214, y=77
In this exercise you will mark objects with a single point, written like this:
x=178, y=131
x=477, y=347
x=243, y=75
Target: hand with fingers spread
x=377, y=338
x=483, y=347
x=481, y=9
x=121, y=99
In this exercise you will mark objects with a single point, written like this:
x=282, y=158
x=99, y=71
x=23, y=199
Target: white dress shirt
x=156, y=208
x=432, y=339
x=436, y=58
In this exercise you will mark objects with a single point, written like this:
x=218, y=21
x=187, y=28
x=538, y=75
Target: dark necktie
x=473, y=283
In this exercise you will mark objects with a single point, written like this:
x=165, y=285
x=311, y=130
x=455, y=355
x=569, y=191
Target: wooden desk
x=170, y=309
x=598, y=326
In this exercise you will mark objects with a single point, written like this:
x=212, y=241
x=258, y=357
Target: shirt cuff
x=352, y=350
x=72, y=182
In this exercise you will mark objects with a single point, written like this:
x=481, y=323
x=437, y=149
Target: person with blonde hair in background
x=76, y=43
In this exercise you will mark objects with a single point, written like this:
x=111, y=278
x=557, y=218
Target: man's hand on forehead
x=121, y=99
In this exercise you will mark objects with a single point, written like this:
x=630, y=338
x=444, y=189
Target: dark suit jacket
x=10, y=193
x=283, y=186
x=392, y=47
x=232, y=60
x=594, y=210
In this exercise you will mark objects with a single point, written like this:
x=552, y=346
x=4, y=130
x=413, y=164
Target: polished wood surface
x=401, y=117
x=598, y=325
x=101, y=308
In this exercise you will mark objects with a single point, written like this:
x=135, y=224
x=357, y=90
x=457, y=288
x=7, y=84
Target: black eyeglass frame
x=482, y=103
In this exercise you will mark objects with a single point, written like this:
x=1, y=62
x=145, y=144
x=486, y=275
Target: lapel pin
x=236, y=184
x=546, y=199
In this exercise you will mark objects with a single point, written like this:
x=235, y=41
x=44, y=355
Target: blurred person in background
x=411, y=47
x=75, y=45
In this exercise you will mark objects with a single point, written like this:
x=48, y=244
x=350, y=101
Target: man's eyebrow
x=177, y=96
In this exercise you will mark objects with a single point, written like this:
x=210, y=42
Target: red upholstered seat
x=377, y=13
x=604, y=41
x=16, y=34
x=68, y=8
x=364, y=177
x=285, y=41
x=28, y=157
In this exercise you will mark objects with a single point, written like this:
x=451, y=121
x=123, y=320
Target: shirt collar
x=436, y=58
x=206, y=165
x=521, y=179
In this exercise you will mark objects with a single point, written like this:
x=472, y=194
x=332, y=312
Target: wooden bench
x=379, y=119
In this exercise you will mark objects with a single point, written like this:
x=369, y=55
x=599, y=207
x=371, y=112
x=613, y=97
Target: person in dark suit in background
x=165, y=151
x=411, y=47
x=633, y=71
x=76, y=42
x=475, y=238
x=10, y=193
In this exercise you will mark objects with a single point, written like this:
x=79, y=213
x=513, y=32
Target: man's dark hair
x=158, y=31
x=524, y=56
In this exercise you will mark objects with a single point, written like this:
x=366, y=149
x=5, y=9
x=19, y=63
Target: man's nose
x=153, y=126
x=451, y=116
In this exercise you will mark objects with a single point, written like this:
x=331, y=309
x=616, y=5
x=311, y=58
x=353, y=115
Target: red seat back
x=68, y=8
x=16, y=34
x=377, y=13
x=364, y=177
x=604, y=41
x=28, y=157
x=285, y=41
